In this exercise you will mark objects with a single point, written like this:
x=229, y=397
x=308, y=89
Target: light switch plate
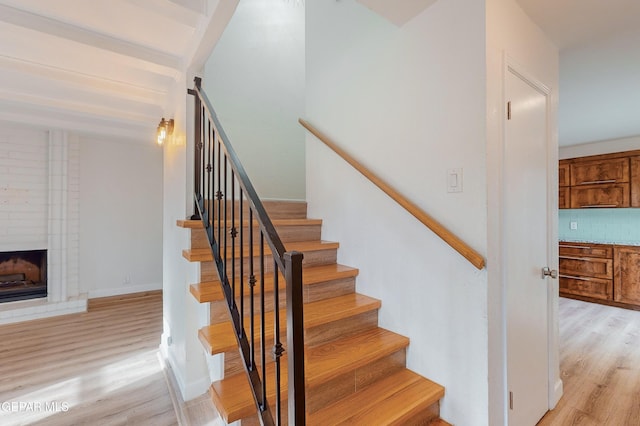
x=454, y=180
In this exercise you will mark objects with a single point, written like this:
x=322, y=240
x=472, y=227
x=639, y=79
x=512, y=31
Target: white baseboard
x=558, y=390
x=108, y=292
x=188, y=390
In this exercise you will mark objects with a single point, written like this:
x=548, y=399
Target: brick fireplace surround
x=39, y=200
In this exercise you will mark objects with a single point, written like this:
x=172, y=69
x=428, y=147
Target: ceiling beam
x=87, y=37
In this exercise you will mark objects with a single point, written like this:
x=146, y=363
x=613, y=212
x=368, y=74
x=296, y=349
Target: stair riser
x=348, y=383
x=341, y=328
x=316, y=257
x=287, y=234
x=233, y=361
x=219, y=312
x=420, y=417
x=329, y=289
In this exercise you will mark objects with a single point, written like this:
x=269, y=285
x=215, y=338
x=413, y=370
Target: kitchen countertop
x=613, y=243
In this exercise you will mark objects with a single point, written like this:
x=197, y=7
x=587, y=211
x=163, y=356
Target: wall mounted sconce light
x=165, y=129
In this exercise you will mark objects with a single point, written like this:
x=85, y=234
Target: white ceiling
x=599, y=43
x=112, y=66
x=104, y=66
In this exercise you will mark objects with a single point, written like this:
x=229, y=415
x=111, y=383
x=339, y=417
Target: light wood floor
x=99, y=368
x=599, y=365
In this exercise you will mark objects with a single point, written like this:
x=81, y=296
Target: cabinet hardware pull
x=593, y=182
x=574, y=278
x=576, y=247
x=598, y=205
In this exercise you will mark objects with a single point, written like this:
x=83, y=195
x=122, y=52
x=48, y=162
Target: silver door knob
x=546, y=272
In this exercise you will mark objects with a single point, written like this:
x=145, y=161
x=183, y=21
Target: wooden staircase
x=355, y=370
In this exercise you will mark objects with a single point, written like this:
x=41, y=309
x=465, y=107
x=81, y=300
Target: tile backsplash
x=618, y=226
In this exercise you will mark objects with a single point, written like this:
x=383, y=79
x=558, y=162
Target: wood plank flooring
x=95, y=368
x=599, y=365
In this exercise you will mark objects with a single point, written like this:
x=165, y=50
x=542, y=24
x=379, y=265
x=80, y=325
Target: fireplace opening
x=23, y=275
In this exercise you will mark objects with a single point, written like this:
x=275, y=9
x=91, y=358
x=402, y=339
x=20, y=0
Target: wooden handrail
x=456, y=243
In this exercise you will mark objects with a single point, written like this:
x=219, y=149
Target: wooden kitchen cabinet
x=602, y=273
x=626, y=279
x=564, y=181
x=598, y=172
x=635, y=181
x=601, y=195
x=564, y=177
x=586, y=270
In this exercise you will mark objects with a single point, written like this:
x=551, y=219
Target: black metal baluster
x=241, y=260
x=207, y=175
x=252, y=285
x=204, y=160
x=232, y=233
x=224, y=210
x=219, y=199
x=262, y=325
x=277, y=346
x=209, y=210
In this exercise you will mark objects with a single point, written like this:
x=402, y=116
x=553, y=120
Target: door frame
x=554, y=392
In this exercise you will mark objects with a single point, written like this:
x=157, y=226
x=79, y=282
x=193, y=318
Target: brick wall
x=23, y=188
x=39, y=209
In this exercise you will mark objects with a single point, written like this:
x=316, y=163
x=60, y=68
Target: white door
x=526, y=245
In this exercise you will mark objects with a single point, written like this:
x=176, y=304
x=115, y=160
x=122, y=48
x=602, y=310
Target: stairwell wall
x=409, y=103
x=255, y=81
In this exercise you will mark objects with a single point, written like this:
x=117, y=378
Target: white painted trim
x=108, y=292
x=28, y=310
x=554, y=380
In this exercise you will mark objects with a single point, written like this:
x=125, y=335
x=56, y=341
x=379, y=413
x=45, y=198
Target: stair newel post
x=295, y=337
x=197, y=133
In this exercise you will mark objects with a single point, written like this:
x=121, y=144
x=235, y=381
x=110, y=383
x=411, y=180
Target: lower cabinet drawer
x=586, y=267
x=586, y=286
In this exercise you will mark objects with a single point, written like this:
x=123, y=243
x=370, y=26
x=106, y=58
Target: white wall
x=120, y=216
x=510, y=31
x=409, y=103
x=182, y=314
x=24, y=187
x=255, y=81
x=601, y=147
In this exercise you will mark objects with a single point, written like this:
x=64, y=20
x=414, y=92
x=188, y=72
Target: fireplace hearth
x=23, y=275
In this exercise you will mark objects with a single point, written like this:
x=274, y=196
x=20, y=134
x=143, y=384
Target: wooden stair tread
x=197, y=224
x=204, y=254
x=388, y=401
x=211, y=291
x=219, y=338
x=327, y=361
x=233, y=398
x=322, y=363
x=439, y=422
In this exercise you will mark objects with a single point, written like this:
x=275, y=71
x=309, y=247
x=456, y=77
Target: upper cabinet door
x=615, y=170
x=635, y=181
x=563, y=174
